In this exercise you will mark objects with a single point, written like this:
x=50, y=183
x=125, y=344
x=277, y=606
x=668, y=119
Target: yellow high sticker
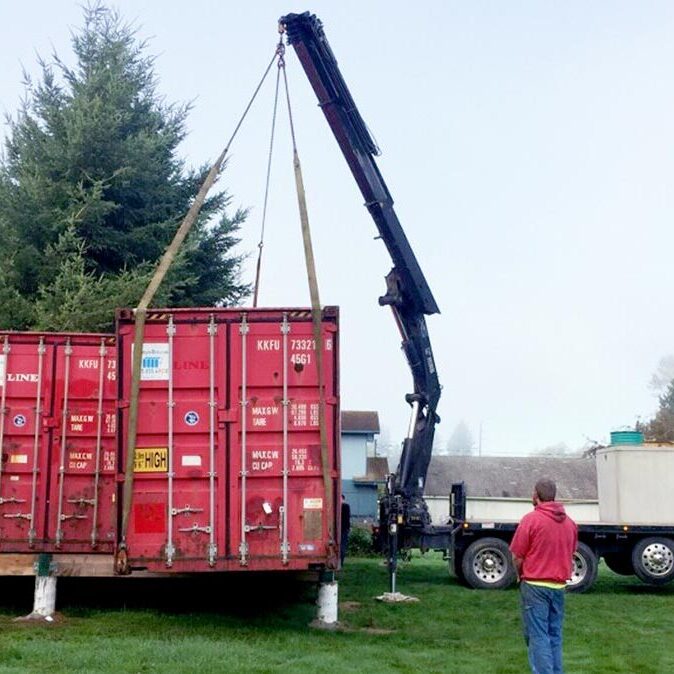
x=150, y=460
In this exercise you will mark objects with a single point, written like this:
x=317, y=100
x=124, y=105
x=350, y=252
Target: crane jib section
x=407, y=291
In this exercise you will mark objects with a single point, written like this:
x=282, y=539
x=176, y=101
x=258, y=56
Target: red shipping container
x=57, y=442
x=228, y=472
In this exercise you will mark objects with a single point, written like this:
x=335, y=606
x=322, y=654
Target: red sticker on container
x=149, y=518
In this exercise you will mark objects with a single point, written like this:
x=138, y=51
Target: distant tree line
x=661, y=427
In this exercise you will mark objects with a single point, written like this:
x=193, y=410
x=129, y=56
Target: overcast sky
x=529, y=147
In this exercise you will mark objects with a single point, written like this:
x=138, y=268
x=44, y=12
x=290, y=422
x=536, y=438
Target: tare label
x=81, y=423
x=267, y=415
x=86, y=423
x=303, y=414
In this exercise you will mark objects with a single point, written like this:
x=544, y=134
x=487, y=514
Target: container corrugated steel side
x=57, y=441
x=228, y=472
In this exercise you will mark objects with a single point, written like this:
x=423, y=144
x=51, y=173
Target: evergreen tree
x=461, y=440
x=661, y=427
x=92, y=191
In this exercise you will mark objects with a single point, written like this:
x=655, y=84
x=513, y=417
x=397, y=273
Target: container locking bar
x=3, y=406
x=283, y=511
x=170, y=406
x=196, y=529
x=185, y=511
x=41, y=350
x=243, y=330
x=260, y=527
x=74, y=516
x=64, y=439
x=99, y=441
x=82, y=501
x=19, y=516
x=11, y=499
x=212, y=408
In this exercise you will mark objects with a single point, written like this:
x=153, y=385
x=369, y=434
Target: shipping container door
x=82, y=513
x=175, y=511
x=26, y=363
x=282, y=512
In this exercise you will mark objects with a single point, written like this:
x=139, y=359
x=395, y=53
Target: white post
x=44, y=603
x=327, y=604
x=44, y=600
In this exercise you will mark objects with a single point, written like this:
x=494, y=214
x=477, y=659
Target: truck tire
x=488, y=565
x=620, y=563
x=585, y=567
x=653, y=560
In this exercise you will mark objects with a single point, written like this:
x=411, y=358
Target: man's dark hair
x=546, y=489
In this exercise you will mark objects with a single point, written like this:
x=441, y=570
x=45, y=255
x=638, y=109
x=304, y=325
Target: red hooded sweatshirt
x=546, y=540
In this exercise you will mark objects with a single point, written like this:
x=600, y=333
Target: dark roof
x=377, y=470
x=512, y=476
x=360, y=422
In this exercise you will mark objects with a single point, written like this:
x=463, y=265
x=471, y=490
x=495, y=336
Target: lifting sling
x=140, y=313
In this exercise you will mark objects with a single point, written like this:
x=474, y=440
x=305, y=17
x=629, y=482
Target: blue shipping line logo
x=150, y=362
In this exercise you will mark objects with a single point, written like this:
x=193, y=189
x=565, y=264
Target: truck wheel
x=653, y=560
x=584, y=571
x=620, y=563
x=488, y=565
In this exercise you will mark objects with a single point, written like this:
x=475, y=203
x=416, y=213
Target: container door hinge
x=243, y=552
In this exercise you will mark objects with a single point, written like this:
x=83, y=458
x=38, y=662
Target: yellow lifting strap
x=140, y=313
x=316, y=316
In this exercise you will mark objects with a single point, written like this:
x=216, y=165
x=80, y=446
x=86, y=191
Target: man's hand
x=518, y=567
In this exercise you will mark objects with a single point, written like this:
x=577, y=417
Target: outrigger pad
x=396, y=598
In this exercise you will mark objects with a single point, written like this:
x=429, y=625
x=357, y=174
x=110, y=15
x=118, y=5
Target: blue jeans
x=542, y=615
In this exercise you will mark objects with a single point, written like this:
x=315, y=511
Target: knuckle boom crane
x=404, y=520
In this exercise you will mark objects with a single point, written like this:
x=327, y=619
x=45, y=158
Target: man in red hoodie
x=542, y=550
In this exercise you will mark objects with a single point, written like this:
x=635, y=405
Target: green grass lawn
x=620, y=626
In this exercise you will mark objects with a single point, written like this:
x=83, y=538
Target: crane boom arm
x=407, y=292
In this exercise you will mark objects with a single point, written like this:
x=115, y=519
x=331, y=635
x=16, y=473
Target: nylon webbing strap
x=140, y=316
x=316, y=321
x=316, y=316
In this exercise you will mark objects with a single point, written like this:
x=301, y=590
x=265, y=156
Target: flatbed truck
x=479, y=557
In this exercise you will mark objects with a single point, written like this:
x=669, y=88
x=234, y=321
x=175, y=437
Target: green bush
x=360, y=542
